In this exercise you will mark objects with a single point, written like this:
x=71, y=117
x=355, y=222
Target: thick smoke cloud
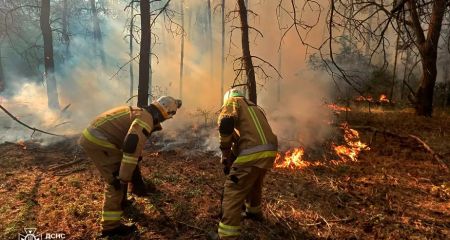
x=86, y=85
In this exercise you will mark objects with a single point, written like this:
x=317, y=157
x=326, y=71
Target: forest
x=224, y=119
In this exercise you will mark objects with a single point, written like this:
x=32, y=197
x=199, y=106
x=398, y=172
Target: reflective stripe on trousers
x=250, y=209
x=228, y=230
x=111, y=215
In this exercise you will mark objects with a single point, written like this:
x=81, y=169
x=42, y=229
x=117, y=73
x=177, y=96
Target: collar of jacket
x=156, y=114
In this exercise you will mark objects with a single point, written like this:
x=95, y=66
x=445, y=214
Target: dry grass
x=394, y=191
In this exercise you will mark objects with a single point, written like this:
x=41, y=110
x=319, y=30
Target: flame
x=338, y=108
x=292, y=159
x=21, y=143
x=383, y=98
x=353, y=145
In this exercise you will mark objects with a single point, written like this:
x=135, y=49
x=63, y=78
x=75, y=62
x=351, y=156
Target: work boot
x=121, y=230
x=258, y=217
x=212, y=236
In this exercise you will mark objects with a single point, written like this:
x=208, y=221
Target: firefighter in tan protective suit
x=114, y=141
x=248, y=148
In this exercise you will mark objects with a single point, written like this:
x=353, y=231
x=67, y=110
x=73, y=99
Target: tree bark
x=49, y=65
x=394, y=71
x=246, y=56
x=428, y=51
x=182, y=50
x=131, y=53
x=97, y=33
x=144, y=60
x=222, y=69
x=2, y=74
x=210, y=40
x=65, y=28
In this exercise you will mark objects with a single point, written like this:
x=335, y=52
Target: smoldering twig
x=27, y=126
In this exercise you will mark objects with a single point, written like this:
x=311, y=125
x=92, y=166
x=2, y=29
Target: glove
x=227, y=160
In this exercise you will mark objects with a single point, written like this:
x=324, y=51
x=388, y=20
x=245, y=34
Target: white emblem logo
x=30, y=234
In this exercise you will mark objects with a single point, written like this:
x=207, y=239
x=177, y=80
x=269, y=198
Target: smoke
x=89, y=88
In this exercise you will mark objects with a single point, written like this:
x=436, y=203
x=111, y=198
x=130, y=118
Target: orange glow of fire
x=338, y=108
x=383, y=98
x=353, y=145
x=22, y=144
x=292, y=159
x=363, y=98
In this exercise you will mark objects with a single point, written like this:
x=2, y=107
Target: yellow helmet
x=232, y=93
x=168, y=106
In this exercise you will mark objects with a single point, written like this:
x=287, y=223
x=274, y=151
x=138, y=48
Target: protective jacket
x=256, y=145
x=126, y=129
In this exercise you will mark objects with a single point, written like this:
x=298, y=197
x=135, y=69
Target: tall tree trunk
x=405, y=71
x=65, y=28
x=246, y=56
x=210, y=40
x=131, y=53
x=446, y=78
x=182, y=50
x=49, y=75
x=97, y=33
x=2, y=74
x=394, y=71
x=222, y=69
x=144, y=59
x=428, y=51
x=279, y=77
x=424, y=96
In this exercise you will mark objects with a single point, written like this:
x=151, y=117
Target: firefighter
x=114, y=141
x=249, y=148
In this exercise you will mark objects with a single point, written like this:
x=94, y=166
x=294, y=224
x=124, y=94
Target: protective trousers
x=107, y=161
x=243, y=186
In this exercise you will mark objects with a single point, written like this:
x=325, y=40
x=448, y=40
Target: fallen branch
x=68, y=172
x=65, y=164
x=27, y=126
x=191, y=226
x=436, y=156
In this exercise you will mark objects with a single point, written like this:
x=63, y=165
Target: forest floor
x=396, y=190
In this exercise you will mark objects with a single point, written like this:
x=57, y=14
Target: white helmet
x=232, y=93
x=168, y=106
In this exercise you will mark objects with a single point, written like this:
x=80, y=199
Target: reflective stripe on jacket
x=111, y=128
x=256, y=138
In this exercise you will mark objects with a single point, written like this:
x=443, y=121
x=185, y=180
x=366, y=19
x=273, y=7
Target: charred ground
x=396, y=190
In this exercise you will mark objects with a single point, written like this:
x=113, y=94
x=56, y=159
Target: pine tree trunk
x=131, y=53
x=65, y=28
x=2, y=74
x=210, y=40
x=246, y=56
x=182, y=50
x=394, y=71
x=427, y=46
x=405, y=71
x=97, y=33
x=424, y=96
x=49, y=65
x=279, y=77
x=144, y=60
x=222, y=70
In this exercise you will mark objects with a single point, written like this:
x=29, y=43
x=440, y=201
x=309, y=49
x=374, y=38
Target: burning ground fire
x=293, y=159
